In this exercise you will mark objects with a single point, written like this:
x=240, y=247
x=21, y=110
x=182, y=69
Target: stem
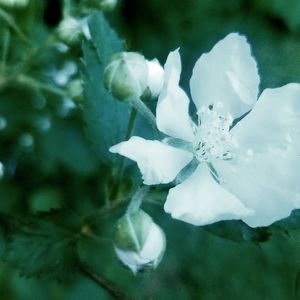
x=140, y=106
x=11, y=23
x=6, y=40
x=130, y=127
x=96, y=238
x=35, y=84
x=31, y=57
x=131, y=123
x=24, y=65
x=105, y=210
x=67, y=9
x=137, y=199
x=105, y=283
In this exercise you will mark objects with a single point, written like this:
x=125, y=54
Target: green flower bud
x=139, y=243
x=70, y=31
x=14, y=3
x=75, y=89
x=126, y=75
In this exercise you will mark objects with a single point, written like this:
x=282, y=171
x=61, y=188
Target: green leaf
x=46, y=246
x=290, y=223
x=64, y=144
x=106, y=118
x=238, y=231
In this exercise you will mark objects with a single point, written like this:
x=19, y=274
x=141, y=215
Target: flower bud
x=70, y=31
x=126, y=75
x=108, y=5
x=75, y=89
x=155, y=77
x=14, y=3
x=139, y=243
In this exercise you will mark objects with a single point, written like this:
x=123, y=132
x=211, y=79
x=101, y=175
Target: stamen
x=213, y=139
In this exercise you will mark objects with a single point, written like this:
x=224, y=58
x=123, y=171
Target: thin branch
x=11, y=22
x=6, y=42
x=30, y=58
x=26, y=63
x=105, y=283
x=35, y=84
x=131, y=123
x=105, y=210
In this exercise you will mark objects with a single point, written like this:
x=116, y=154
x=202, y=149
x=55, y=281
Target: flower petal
x=172, y=111
x=200, y=200
x=158, y=162
x=267, y=183
x=274, y=122
x=265, y=173
x=227, y=75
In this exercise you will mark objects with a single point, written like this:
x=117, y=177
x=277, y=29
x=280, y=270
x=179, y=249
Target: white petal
x=228, y=75
x=200, y=200
x=172, y=111
x=172, y=67
x=150, y=254
x=158, y=162
x=267, y=183
x=154, y=246
x=274, y=122
x=265, y=174
x=155, y=77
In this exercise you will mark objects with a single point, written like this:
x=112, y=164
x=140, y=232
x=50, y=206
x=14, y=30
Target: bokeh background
x=47, y=162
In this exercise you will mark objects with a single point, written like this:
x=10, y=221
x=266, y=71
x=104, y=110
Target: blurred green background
x=47, y=162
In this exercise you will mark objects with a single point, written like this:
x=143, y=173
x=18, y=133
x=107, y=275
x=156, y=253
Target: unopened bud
x=75, y=89
x=155, y=77
x=108, y=5
x=70, y=31
x=139, y=243
x=126, y=75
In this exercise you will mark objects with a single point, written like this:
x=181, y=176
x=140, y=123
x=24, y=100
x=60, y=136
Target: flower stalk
x=137, y=199
x=142, y=108
x=105, y=283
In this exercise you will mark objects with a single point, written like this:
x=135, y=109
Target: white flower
x=248, y=170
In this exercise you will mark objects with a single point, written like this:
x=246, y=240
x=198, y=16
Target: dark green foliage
x=106, y=118
x=55, y=166
x=46, y=246
x=238, y=231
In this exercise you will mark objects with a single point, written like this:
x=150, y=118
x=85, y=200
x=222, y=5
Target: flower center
x=213, y=140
